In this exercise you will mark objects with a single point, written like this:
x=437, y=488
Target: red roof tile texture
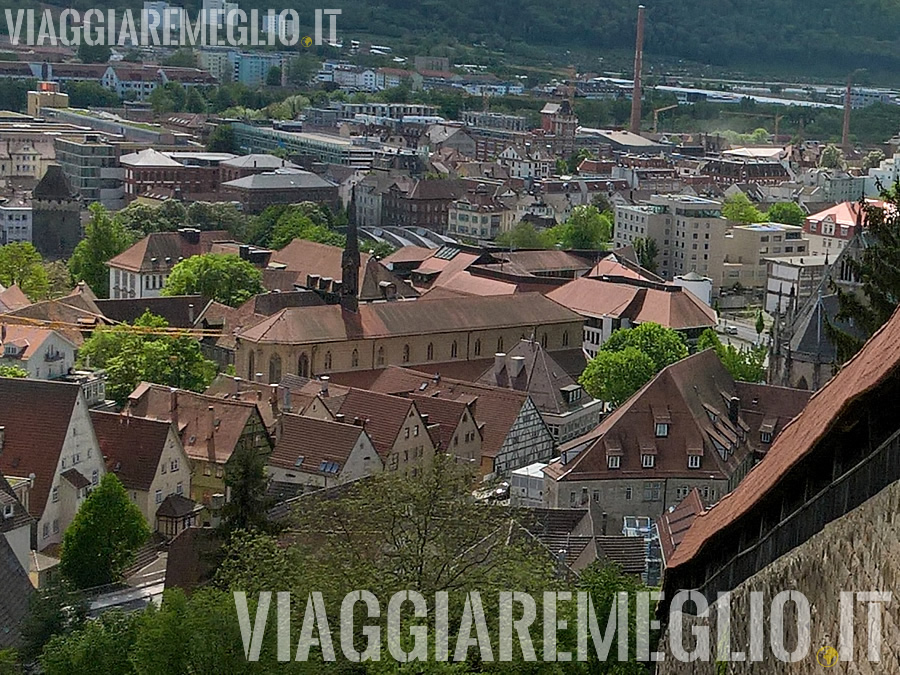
x=870, y=367
x=132, y=446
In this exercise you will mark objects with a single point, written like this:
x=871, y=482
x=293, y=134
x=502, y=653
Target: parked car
x=731, y=330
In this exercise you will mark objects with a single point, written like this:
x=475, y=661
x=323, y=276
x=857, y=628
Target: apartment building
x=741, y=257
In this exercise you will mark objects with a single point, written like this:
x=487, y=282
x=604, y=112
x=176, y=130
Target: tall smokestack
x=635, y=127
x=845, y=134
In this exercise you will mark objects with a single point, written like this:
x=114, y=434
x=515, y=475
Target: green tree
x=300, y=69
x=146, y=351
x=104, y=238
x=141, y=219
x=586, y=229
x=273, y=77
x=90, y=93
x=873, y=160
x=55, y=609
x=247, y=483
x=161, y=101
x=194, y=101
x=103, y=537
x=221, y=139
x=217, y=216
x=13, y=371
x=739, y=209
x=523, y=235
x=98, y=53
x=646, y=250
x=100, y=646
x=760, y=324
x=613, y=376
x=746, y=365
x=788, y=213
x=182, y=58
x=20, y=263
x=299, y=226
x=225, y=278
x=663, y=345
x=832, y=157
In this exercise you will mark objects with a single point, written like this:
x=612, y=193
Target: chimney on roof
x=323, y=382
x=191, y=313
x=499, y=362
x=516, y=366
x=237, y=385
x=211, y=445
x=273, y=398
x=436, y=378
x=286, y=404
x=2, y=438
x=339, y=417
x=604, y=518
x=357, y=422
x=734, y=404
x=424, y=417
x=259, y=378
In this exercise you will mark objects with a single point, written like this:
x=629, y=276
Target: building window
x=251, y=366
x=159, y=497
x=303, y=365
x=429, y=352
x=694, y=461
x=380, y=359
x=478, y=347
x=95, y=477
x=453, y=350
x=328, y=360
x=565, y=338
x=652, y=492
x=354, y=359
x=179, y=489
x=275, y=369
x=499, y=345
x=405, y=353
x=629, y=493
x=765, y=437
x=46, y=530
x=173, y=465
x=56, y=526
x=416, y=430
x=648, y=461
x=55, y=495
x=595, y=495
x=681, y=492
x=614, y=461
x=662, y=430
x=573, y=497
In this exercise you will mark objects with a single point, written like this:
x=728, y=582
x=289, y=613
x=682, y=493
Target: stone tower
x=56, y=215
x=350, y=271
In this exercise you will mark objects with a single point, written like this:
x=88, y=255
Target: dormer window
x=648, y=461
x=662, y=429
x=613, y=461
x=765, y=437
x=7, y=511
x=694, y=461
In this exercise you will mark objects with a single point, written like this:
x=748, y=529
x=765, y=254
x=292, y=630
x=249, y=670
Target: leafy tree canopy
x=13, y=371
x=746, y=364
x=20, y=263
x=788, y=213
x=145, y=352
x=103, y=537
x=613, y=376
x=739, y=209
x=105, y=237
x=225, y=278
x=663, y=345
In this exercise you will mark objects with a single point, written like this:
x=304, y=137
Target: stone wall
x=859, y=552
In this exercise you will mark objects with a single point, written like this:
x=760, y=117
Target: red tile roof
x=421, y=317
x=673, y=524
x=315, y=441
x=667, y=305
x=207, y=435
x=496, y=410
x=689, y=393
x=871, y=366
x=132, y=446
x=383, y=416
x=443, y=415
x=162, y=245
x=36, y=425
x=12, y=298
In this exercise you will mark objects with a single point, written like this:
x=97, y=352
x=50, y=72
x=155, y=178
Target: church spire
x=350, y=270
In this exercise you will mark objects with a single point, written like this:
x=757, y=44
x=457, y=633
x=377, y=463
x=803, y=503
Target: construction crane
x=777, y=119
x=656, y=115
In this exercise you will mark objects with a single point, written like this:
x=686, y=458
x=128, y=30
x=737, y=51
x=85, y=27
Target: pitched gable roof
x=496, y=410
x=178, y=310
x=167, y=248
x=692, y=397
x=541, y=377
x=870, y=367
x=36, y=426
x=306, y=443
x=20, y=517
x=675, y=523
x=382, y=416
x=422, y=317
x=667, y=305
x=207, y=435
x=15, y=598
x=12, y=298
x=132, y=446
